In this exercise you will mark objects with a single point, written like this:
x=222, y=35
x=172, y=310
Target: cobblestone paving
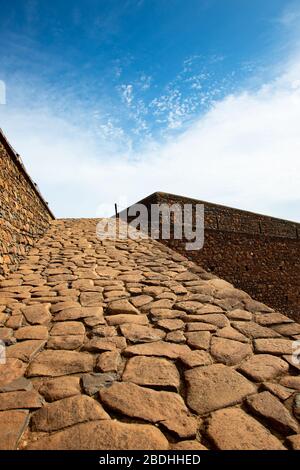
x=127, y=345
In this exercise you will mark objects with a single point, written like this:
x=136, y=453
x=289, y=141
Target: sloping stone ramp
x=127, y=345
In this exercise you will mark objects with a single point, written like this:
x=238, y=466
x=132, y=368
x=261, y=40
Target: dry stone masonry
x=24, y=215
x=256, y=253
x=125, y=344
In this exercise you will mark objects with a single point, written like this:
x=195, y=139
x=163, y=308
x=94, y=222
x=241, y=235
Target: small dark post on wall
x=116, y=211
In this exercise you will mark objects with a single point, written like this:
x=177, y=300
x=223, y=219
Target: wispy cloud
x=244, y=151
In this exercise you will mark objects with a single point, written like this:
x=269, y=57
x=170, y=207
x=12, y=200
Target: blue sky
x=111, y=100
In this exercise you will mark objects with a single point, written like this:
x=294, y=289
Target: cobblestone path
x=127, y=345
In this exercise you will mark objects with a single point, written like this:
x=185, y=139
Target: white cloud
x=127, y=94
x=243, y=152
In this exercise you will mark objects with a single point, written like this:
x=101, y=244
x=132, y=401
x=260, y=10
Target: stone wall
x=257, y=253
x=24, y=215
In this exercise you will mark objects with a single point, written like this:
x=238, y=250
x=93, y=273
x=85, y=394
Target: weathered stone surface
x=191, y=306
x=105, y=331
x=58, y=388
x=159, y=348
x=296, y=405
x=69, y=342
x=56, y=363
x=109, y=361
x=283, y=393
x=117, y=307
x=93, y=382
x=263, y=367
x=291, y=381
x=198, y=339
x=233, y=429
x=217, y=319
x=267, y=406
x=66, y=412
x=141, y=300
x=37, y=314
x=239, y=314
x=273, y=346
x=151, y=371
x=268, y=319
x=20, y=399
x=166, y=313
x=141, y=334
x=91, y=299
x=253, y=330
x=230, y=333
x=171, y=325
x=7, y=336
x=25, y=350
x=188, y=445
x=110, y=343
x=11, y=371
x=120, y=319
x=287, y=329
x=15, y=322
x=64, y=305
x=104, y=435
x=67, y=328
x=176, y=337
x=199, y=326
x=12, y=425
x=79, y=312
x=229, y=352
x=291, y=360
x=294, y=441
x=196, y=358
x=32, y=332
x=215, y=386
x=150, y=405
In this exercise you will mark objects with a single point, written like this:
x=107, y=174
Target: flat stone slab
x=270, y=408
x=25, y=350
x=171, y=324
x=233, y=429
x=273, y=346
x=37, y=314
x=32, y=332
x=228, y=351
x=196, y=358
x=151, y=371
x=215, y=386
x=163, y=407
x=12, y=425
x=104, y=435
x=59, y=388
x=109, y=343
x=198, y=339
x=253, y=330
x=159, y=348
x=120, y=319
x=141, y=334
x=93, y=382
x=68, y=328
x=218, y=319
x=20, y=400
x=11, y=371
x=121, y=307
x=269, y=319
x=263, y=367
x=63, y=413
x=69, y=342
x=109, y=361
x=75, y=313
x=56, y=363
